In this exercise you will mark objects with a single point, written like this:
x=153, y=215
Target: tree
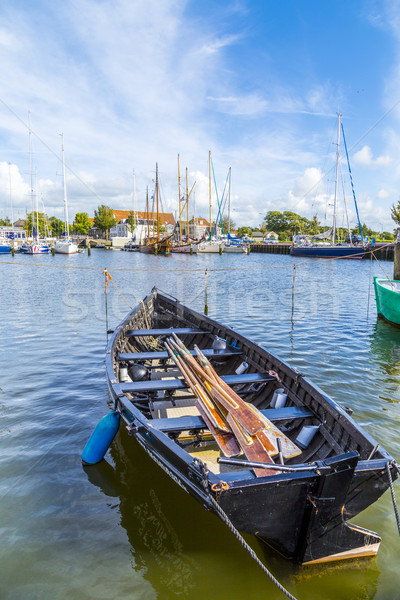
x=5, y=222
x=132, y=221
x=104, y=218
x=244, y=231
x=82, y=223
x=38, y=218
x=57, y=226
x=225, y=223
x=395, y=211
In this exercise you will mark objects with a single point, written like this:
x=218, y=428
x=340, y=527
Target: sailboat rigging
x=66, y=245
x=334, y=250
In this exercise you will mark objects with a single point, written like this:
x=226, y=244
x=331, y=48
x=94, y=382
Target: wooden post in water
x=396, y=271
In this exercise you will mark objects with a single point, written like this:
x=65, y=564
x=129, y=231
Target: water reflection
x=385, y=347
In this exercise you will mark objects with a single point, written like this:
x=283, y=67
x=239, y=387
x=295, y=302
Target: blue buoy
x=101, y=438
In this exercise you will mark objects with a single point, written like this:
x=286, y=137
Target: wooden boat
x=387, y=296
x=298, y=496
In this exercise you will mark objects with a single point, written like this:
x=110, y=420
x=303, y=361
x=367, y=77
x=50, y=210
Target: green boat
x=387, y=295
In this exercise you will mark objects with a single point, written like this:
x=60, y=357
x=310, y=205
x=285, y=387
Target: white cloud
x=365, y=157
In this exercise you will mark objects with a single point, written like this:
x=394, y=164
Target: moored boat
x=296, y=495
x=387, y=296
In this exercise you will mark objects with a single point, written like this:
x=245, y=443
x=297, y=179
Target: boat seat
x=179, y=384
x=164, y=331
x=134, y=356
x=193, y=422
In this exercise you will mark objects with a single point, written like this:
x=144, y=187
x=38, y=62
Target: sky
x=258, y=83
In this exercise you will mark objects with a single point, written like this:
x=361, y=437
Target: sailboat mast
x=209, y=184
x=31, y=170
x=158, y=226
x=229, y=202
x=336, y=180
x=147, y=210
x=180, y=203
x=66, y=224
x=187, y=204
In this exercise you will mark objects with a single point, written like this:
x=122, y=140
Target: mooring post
x=205, y=295
x=396, y=270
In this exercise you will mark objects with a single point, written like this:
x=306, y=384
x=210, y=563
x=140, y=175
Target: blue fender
x=101, y=438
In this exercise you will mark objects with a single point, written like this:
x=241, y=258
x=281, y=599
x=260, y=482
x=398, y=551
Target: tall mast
x=336, y=180
x=11, y=204
x=209, y=184
x=134, y=201
x=158, y=227
x=147, y=209
x=187, y=204
x=31, y=170
x=229, y=203
x=65, y=189
x=180, y=203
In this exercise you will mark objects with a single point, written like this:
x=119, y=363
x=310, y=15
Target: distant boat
x=156, y=244
x=211, y=246
x=37, y=246
x=66, y=245
x=5, y=248
x=387, y=295
x=333, y=250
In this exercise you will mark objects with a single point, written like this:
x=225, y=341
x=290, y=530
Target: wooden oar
x=225, y=439
x=208, y=406
x=252, y=447
x=228, y=398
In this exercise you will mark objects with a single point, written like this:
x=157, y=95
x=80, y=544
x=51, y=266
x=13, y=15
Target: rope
x=201, y=269
x=396, y=512
x=221, y=513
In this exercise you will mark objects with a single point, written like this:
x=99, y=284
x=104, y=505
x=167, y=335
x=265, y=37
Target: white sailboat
x=213, y=245
x=66, y=245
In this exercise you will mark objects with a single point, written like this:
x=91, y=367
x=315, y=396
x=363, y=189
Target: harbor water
x=123, y=529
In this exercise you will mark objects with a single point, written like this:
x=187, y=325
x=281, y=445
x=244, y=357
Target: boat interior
x=306, y=420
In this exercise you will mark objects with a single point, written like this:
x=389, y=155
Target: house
x=271, y=234
x=143, y=221
x=198, y=228
x=257, y=236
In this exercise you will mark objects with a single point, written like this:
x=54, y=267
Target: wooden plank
x=157, y=332
x=191, y=422
x=179, y=384
x=162, y=355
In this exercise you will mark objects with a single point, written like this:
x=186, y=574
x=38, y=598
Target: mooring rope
x=396, y=512
x=222, y=514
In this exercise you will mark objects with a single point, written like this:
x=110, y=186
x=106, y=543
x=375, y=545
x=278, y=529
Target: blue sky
x=259, y=83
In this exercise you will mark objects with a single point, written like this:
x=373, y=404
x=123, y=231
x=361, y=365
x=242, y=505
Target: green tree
x=57, y=226
x=395, y=211
x=37, y=218
x=225, y=223
x=5, y=222
x=132, y=221
x=104, y=219
x=82, y=223
x=244, y=231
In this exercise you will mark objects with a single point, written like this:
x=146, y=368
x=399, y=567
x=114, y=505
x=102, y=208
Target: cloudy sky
x=258, y=83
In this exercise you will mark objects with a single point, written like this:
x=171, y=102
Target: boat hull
x=287, y=510
x=210, y=247
x=68, y=247
x=387, y=296
x=328, y=251
x=35, y=249
x=4, y=249
x=236, y=249
x=185, y=249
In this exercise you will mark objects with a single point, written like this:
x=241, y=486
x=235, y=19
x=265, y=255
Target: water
x=123, y=529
